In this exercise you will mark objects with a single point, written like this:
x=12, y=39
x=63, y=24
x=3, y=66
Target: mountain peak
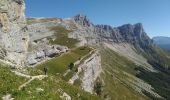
x=138, y=24
x=138, y=28
x=82, y=20
x=81, y=15
x=135, y=30
x=134, y=34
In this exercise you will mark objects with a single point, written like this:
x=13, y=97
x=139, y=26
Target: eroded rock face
x=46, y=52
x=82, y=20
x=13, y=31
x=92, y=69
x=128, y=33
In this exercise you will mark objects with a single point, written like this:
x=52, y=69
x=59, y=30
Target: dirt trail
x=39, y=77
x=31, y=78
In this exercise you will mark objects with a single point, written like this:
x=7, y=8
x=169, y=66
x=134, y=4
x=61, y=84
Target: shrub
x=71, y=65
x=98, y=88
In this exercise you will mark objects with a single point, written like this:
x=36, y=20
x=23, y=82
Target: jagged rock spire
x=82, y=20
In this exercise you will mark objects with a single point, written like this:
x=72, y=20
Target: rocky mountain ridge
x=128, y=33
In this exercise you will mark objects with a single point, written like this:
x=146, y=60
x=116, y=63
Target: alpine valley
x=84, y=61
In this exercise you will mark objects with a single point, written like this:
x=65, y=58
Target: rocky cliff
x=13, y=31
x=88, y=72
x=128, y=33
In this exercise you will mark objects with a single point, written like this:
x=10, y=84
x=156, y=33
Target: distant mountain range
x=162, y=41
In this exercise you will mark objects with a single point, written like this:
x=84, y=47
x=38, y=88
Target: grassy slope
x=165, y=46
x=113, y=76
x=61, y=34
x=158, y=58
x=51, y=85
x=60, y=64
x=34, y=20
x=161, y=80
x=9, y=82
x=155, y=54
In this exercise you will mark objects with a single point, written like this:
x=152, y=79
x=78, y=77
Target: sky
x=153, y=14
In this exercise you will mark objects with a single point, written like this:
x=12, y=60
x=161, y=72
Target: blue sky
x=154, y=14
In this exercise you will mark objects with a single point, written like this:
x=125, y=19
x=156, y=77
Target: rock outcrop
x=133, y=34
x=13, y=31
x=7, y=97
x=91, y=69
x=48, y=51
x=40, y=48
x=82, y=20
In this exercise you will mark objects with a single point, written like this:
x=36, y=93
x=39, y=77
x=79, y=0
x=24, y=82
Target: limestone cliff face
x=88, y=72
x=13, y=31
x=92, y=69
x=128, y=33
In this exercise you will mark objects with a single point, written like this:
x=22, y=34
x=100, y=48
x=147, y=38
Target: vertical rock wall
x=13, y=30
